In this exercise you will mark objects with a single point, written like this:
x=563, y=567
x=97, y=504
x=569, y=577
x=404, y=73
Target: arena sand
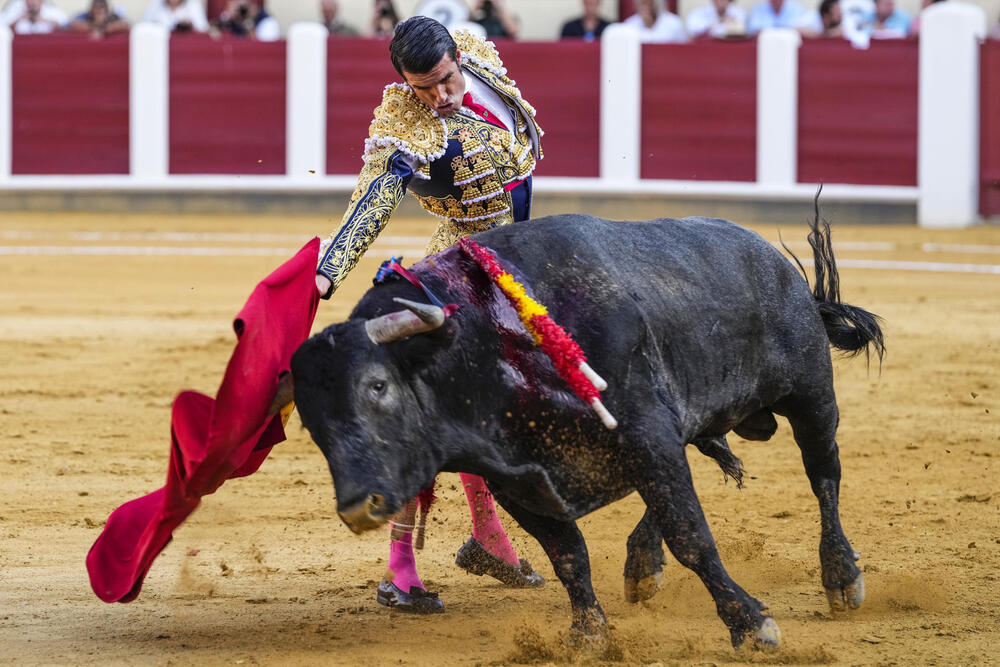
x=94, y=348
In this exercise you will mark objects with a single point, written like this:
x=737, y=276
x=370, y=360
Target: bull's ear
x=418, y=351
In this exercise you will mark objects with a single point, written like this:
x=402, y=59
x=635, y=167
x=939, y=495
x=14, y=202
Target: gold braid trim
x=372, y=203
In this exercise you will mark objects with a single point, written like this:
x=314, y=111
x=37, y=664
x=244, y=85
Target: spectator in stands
x=887, y=21
x=177, y=15
x=100, y=20
x=721, y=18
x=827, y=21
x=248, y=18
x=655, y=24
x=495, y=18
x=384, y=18
x=775, y=14
x=330, y=9
x=589, y=26
x=33, y=17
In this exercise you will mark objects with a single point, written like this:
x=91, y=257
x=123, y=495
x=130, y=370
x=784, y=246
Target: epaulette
x=481, y=52
x=405, y=122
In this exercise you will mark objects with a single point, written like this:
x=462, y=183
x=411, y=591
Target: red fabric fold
x=213, y=440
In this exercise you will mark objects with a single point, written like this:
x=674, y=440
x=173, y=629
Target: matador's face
x=442, y=88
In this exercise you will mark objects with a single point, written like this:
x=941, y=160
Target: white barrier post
x=149, y=101
x=305, y=102
x=6, y=101
x=948, y=134
x=621, y=100
x=778, y=106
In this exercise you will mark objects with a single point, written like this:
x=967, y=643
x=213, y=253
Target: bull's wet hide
x=698, y=325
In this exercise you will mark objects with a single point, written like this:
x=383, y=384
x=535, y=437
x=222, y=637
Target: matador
x=458, y=136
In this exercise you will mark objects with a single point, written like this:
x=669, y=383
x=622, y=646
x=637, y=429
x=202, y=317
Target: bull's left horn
x=417, y=318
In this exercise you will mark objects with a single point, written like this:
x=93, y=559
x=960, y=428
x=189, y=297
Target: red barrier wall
x=562, y=80
x=70, y=105
x=356, y=72
x=699, y=111
x=858, y=113
x=989, y=129
x=569, y=112
x=227, y=106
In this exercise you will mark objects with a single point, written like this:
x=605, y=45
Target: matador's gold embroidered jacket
x=456, y=167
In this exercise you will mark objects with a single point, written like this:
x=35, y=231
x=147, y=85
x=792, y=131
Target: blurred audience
x=589, y=26
x=655, y=24
x=496, y=18
x=886, y=21
x=248, y=18
x=330, y=9
x=384, y=18
x=775, y=14
x=177, y=15
x=721, y=18
x=827, y=21
x=33, y=17
x=99, y=20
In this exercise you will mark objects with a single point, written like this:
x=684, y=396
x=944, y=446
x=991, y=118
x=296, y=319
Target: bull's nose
x=365, y=515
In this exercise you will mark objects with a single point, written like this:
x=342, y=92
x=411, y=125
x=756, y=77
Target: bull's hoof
x=637, y=590
x=765, y=638
x=417, y=601
x=849, y=597
x=474, y=559
x=589, y=629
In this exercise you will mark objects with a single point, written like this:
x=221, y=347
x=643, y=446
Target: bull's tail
x=849, y=328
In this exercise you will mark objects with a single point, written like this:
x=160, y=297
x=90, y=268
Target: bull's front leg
x=664, y=482
x=564, y=545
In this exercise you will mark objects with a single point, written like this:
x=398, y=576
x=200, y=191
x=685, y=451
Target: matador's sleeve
x=381, y=185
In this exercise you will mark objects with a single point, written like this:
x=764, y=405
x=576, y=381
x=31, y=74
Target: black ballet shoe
x=474, y=559
x=417, y=601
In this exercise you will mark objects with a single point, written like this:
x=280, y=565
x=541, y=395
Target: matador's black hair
x=419, y=43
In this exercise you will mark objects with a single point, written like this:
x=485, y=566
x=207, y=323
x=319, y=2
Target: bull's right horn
x=417, y=318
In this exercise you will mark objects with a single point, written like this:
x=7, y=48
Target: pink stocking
x=402, y=564
x=486, y=526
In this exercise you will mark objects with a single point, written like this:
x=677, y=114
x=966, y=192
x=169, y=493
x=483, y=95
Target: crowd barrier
x=764, y=118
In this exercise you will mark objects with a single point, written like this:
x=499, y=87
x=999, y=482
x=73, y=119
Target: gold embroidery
x=403, y=121
x=372, y=203
x=480, y=49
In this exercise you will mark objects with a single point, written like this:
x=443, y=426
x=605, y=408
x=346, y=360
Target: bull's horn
x=417, y=318
x=284, y=395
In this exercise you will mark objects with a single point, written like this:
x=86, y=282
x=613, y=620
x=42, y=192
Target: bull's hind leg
x=814, y=423
x=664, y=482
x=564, y=545
x=645, y=560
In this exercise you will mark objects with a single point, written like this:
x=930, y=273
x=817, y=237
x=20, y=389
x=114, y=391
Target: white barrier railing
x=948, y=145
x=948, y=134
x=149, y=102
x=305, y=110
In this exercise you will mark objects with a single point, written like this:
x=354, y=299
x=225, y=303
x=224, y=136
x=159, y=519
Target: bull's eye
x=376, y=389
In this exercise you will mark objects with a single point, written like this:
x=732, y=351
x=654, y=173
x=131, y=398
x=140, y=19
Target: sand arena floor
x=93, y=348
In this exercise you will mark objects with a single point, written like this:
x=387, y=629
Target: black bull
x=699, y=327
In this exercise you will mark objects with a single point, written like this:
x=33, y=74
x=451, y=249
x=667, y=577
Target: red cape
x=213, y=440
